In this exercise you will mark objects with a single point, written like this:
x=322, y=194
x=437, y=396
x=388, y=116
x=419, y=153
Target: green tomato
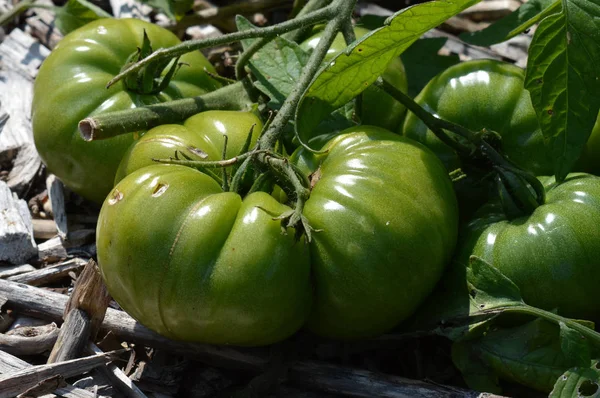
x=194, y=263
x=551, y=255
x=202, y=137
x=483, y=94
x=71, y=84
x=388, y=217
x=378, y=107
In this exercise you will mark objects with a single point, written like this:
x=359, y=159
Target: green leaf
x=574, y=346
x=76, y=13
x=528, y=354
x=450, y=311
x=511, y=25
x=489, y=288
x=353, y=70
x=475, y=372
x=563, y=78
x=277, y=67
x=422, y=62
x=242, y=23
x=578, y=383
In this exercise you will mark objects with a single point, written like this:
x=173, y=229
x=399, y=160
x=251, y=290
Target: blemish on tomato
x=159, y=189
x=115, y=197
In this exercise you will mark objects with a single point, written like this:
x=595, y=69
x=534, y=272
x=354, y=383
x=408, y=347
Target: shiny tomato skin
x=194, y=263
x=71, y=85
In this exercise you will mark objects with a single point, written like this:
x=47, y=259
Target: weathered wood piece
x=6, y=320
x=491, y=10
x=16, y=230
x=49, y=274
x=6, y=271
x=44, y=229
x=29, y=340
x=363, y=383
x=117, y=376
x=41, y=25
x=20, y=56
x=57, y=204
x=10, y=364
x=90, y=295
x=14, y=383
x=83, y=314
x=73, y=337
x=323, y=377
x=44, y=386
x=52, y=250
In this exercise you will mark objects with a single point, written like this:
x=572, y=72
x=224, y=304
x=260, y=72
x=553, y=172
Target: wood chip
x=130, y=9
x=17, y=382
x=90, y=295
x=83, y=314
x=21, y=56
x=362, y=383
x=29, y=340
x=16, y=230
x=73, y=337
x=10, y=364
x=57, y=204
x=118, y=377
x=12, y=270
x=491, y=10
x=51, y=273
x=44, y=229
x=41, y=25
x=52, y=250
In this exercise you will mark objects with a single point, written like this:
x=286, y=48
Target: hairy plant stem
x=107, y=125
x=317, y=16
x=211, y=164
x=476, y=146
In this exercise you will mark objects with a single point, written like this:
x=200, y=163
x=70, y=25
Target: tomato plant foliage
x=215, y=267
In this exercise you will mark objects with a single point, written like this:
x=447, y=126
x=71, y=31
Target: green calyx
x=520, y=192
x=152, y=78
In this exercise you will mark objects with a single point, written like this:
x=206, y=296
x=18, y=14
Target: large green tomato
x=71, y=84
x=483, y=94
x=194, y=263
x=378, y=107
x=389, y=221
x=201, y=137
x=552, y=255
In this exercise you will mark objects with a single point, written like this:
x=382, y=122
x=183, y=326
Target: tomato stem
x=342, y=12
x=312, y=18
x=478, y=147
x=111, y=124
